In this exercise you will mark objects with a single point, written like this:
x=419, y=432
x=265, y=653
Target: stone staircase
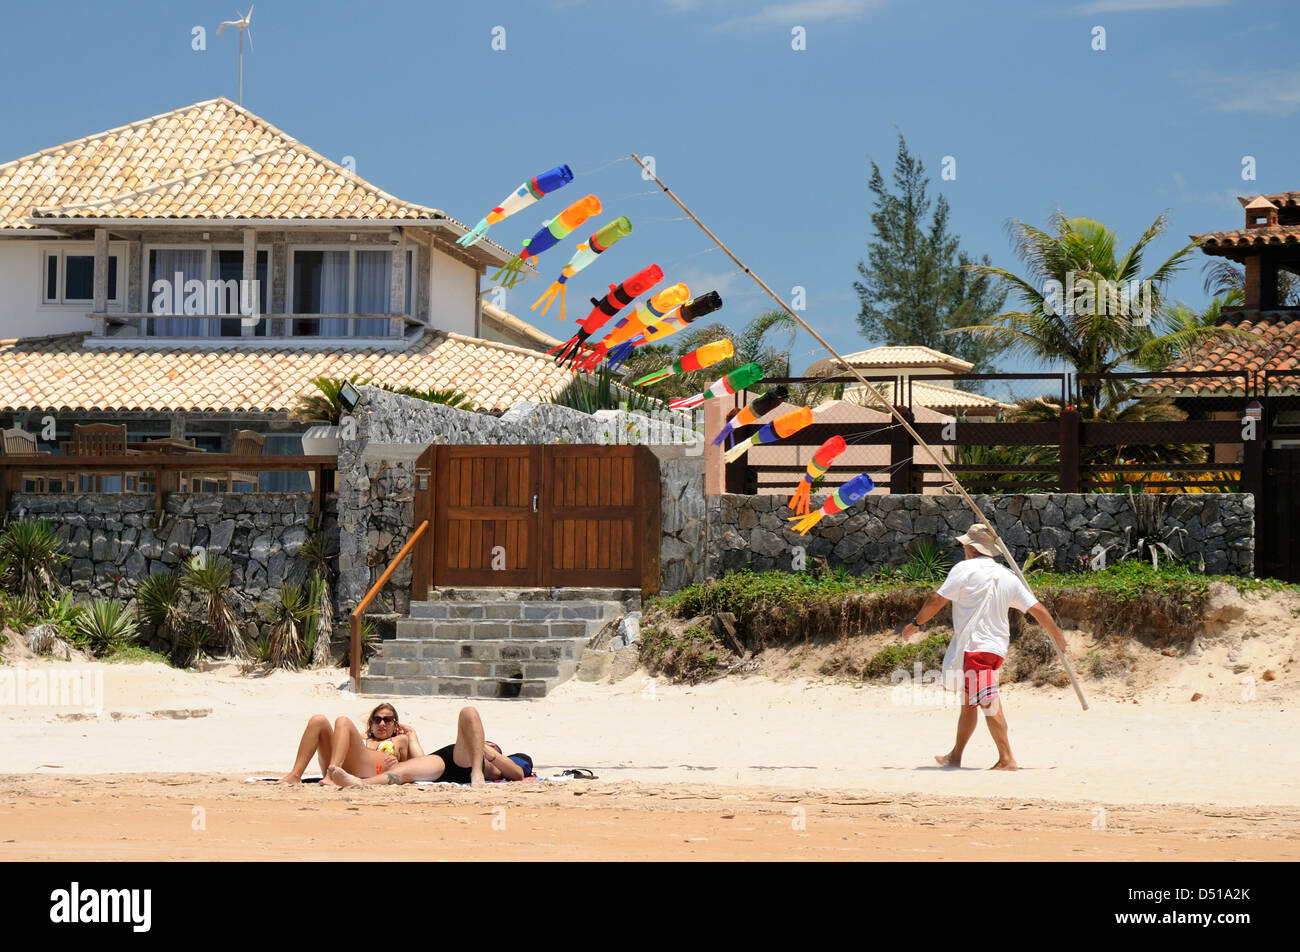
x=496, y=643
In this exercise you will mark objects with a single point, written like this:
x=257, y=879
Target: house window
x=335, y=282
x=70, y=278
x=179, y=288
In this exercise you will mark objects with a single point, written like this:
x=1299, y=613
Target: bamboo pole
x=892, y=410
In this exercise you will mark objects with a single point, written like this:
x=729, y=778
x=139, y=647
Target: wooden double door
x=538, y=516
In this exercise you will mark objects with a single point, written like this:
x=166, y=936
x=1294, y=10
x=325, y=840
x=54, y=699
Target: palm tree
x=1179, y=329
x=1095, y=336
x=209, y=579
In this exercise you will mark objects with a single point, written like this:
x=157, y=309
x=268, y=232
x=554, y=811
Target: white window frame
x=353, y=248
x=209, y=265
x=78, y=249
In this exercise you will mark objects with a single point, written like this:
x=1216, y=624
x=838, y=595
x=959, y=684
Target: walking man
x=981, y=592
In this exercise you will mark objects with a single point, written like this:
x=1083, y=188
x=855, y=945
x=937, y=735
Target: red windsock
x=619, y=297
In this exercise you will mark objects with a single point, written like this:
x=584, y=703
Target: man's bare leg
x=997, y=722
x=316, y=739
x=966, y=722
x=470, y=744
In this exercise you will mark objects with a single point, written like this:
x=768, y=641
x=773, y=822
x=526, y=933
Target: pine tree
x=915, y=282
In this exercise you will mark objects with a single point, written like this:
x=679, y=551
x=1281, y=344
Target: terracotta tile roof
x=1277, y=348
x=508, y=322
x=211, y=160
x=59, y=373
x=1280, y=199
x=883, y=358
x=1219, y=242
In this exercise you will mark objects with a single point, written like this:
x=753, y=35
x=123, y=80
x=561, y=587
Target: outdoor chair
x=17, y=442
x=102, y=439
x=245, y=443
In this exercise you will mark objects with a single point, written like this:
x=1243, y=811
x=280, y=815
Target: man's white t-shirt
x=981, y=592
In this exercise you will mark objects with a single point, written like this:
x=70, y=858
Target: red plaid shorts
x=981, y=672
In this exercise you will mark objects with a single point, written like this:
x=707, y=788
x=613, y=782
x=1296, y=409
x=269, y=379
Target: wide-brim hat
x=981, y=538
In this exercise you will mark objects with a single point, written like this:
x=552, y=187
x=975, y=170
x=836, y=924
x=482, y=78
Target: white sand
x=1222, y=749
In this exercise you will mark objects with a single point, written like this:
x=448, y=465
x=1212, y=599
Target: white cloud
x=800, y=12
x=1275, y=92
x=1135, y=6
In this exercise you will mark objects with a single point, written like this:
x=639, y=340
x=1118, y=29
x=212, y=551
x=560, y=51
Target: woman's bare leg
x=316, y=739
x=429, y=767
x=350, y=751
x=470, y=744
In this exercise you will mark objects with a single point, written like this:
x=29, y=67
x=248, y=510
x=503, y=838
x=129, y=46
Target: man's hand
x=908, y=631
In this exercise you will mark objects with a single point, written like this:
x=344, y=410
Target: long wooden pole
x=892, y=410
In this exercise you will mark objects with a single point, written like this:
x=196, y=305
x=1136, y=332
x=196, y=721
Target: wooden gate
x=538, y=516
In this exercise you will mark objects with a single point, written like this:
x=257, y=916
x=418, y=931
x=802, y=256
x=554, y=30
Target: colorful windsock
x=846, y=497
x=742, y=378
x=547, y=237
x=587, y=252
x=786, y=425
x=695, y=308
x=753, y=411
x=817, y=467
x=519, y=199
x=619, y=297
x=698, y=359
x=665, y=302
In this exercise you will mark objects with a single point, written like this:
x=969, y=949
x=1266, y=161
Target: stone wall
x=377, y=470
x=753, y=531
x=113, y=543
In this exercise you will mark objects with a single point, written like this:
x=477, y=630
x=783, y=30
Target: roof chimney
x=1260, y=213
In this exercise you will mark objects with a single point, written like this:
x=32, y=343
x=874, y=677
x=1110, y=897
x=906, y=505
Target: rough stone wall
x=113, y=544
x=752, y=531
x=376, y=478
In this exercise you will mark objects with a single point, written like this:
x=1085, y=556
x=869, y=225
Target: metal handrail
x=354, y=648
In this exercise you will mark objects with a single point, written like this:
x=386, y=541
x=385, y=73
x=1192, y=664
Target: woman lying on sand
x=469, y=760
x=386, y=743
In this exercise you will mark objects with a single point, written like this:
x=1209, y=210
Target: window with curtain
x=230, y=267
x=320, y=286
x=373, y=291
x=410, y=281
x=169, y=271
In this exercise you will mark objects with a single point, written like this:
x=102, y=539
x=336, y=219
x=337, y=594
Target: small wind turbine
x=241, y=25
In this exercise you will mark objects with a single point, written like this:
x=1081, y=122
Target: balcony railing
x=277, y=327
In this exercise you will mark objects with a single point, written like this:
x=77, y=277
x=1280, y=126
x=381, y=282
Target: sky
x=761, y=116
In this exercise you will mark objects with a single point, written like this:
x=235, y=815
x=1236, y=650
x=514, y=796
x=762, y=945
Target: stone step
x=479, y=649
x=457, y=686
x=502, y=609
x=472, y=667
x=434, y=629
x=624, y=596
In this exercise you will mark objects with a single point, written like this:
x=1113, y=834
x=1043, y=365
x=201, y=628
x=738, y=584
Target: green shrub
x=105, y=625
x=29, y=552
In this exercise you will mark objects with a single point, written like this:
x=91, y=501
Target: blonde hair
x=370, y=718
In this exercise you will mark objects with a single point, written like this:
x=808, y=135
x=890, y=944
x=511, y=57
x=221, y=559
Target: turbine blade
x=250, y=39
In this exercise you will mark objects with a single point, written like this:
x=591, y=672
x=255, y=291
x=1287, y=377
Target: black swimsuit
x=454, y=772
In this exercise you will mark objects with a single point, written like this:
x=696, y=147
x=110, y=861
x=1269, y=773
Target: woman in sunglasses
x=386, y=743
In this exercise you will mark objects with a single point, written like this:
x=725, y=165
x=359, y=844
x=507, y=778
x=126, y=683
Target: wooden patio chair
x=18, y=442
x=102, y=439
x=168, y=446
x=245, y=443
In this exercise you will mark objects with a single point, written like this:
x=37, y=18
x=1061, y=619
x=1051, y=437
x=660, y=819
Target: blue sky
x=768, y=144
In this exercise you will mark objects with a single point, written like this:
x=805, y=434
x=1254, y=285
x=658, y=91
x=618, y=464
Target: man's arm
x=1040, y=614
x=933, y=605
x=503, y=765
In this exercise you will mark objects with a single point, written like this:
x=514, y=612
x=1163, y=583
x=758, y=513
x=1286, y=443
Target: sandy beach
x=753, y=768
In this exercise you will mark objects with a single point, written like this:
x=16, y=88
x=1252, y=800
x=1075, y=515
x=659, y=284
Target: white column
x=250, y=274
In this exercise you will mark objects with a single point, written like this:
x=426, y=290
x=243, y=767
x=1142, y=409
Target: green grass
x=746, y=592
x=133, y=653
x=903, y=656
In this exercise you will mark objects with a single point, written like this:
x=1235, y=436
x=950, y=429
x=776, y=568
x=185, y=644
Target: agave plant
x=29, y=552
x=209, y=579
x=317, y=555
x=159, y=599
x=61, y=613
x=927, y=563
x=1151, y=534
x=18, y=612
x=598, y=391
x=105, y=624
x=287, y=615
x=192, y=642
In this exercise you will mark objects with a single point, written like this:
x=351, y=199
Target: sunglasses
x=382, y=719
